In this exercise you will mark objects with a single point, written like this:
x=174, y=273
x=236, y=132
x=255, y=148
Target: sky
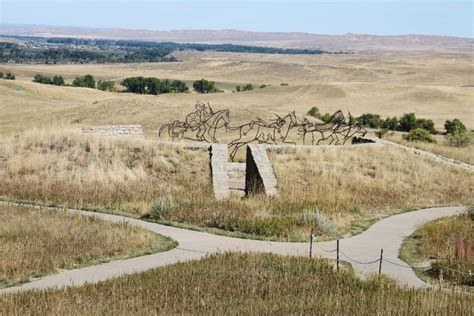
x=454, y=18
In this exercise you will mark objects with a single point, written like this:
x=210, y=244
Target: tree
x=135, y=84
x=419, y=134
x=105, y=85
x=58, y=81
x=390, y=123
x=454, y=126
x=204, y=86
x=86, y=81
x=407, y=122
x=426, y=124
x=38, y=78
x=314, y=112
x=458, y=139
x=9, y=76
x=1, y=75
x=238, y=88
x=247, y=87
x=370, y=120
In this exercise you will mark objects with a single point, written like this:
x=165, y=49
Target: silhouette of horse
x=335, y=123
x=262, y=133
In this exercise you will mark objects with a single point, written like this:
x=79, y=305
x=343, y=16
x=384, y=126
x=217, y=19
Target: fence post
x=459, y=247
x=380, y=262
x=311, y=243
x=467, y=250
x=337, y=258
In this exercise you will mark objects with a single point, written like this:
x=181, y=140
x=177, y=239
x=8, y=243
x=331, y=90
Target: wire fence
x=380, y=260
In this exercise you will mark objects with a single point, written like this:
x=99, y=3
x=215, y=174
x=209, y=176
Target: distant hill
x=346, y=42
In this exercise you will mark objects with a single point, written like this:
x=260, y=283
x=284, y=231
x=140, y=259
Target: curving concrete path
x=387, y=234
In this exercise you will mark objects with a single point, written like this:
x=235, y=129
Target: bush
x=42, y=79
x=2, y=75
x=381, y=133
x=105, y=85
x=325, y=118
x=426, y=124
x=314, y=112
x=407, y=122
x=247, y=87
x=8, y=76
x=58, y=81
x=419, y=134
x=454, y=126
x=390, y=123
x=238, y=88
x=86, y=81
x=458, y=139
x=205, y=86
x=322, y=224
x=263, y=86
x=370, y=120
x=161, y=207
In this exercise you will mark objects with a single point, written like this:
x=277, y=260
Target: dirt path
x=387, y=234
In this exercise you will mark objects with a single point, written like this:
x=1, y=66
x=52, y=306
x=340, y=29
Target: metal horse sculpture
x=263, y=133
x=204, y=123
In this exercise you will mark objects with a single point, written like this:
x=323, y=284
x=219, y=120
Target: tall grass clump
x=248, y=284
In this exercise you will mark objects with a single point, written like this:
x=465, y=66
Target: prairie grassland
x=70, y=169
x=350, y=182
x=387, y=84
x=38, y=241
x=464, y=154
x=233, y=283
x=436, y=240
x=330, y=188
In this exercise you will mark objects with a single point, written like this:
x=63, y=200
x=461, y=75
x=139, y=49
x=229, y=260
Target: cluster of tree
x=106, y=85
x=56, y=80
x=406, y=123
x=20, y=54
x=86, y=81
x=153, y=85
x=7, y=76
x=246, y=87
x=186, y=46
x=205, y=86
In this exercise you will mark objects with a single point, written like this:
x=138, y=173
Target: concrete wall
x=220, y=182
x=259, y=176
x=134, y=131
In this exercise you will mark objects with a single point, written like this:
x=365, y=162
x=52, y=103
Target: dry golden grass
x=38, y=241
x=68, y=168
x=430, y=85
x=464, y=154
x=338, y=189
x=248, y=284
x=436, y=240
x=348, y=182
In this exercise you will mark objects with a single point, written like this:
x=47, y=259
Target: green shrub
x=161, y=207
x=283, y=84
x=238, y=88
x=247, y=87
x=370, y=120
x=458, y=139
x=58, y=81
x=314, y=112
x=419, y=135
x=454, y=126
x=9, y=76
x=38, y=78
x=381, y=133
x=322, y=224
x=263, y=86
x=86, y=81
x=205, y=86
x=105, y=85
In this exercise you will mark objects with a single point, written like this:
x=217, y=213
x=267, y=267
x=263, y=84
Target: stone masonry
x=134, y=131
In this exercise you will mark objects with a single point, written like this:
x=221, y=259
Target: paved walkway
x=387, y=234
